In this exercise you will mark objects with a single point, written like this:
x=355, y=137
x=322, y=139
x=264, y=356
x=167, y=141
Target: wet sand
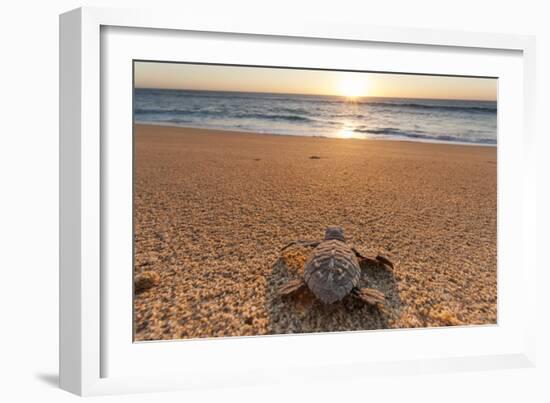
x=212, y=210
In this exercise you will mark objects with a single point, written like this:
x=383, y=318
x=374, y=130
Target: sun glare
x=354, y=86
x=346, y=132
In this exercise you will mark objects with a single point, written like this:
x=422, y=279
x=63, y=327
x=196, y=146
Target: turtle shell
x=332, y=271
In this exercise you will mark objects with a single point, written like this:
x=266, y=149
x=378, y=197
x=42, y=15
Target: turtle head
x=334, y=233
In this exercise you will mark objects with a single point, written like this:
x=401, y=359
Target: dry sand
x=212, y=210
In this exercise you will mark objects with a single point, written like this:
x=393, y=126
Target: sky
x=315, y=82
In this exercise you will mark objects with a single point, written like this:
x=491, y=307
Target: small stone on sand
x=145, y=281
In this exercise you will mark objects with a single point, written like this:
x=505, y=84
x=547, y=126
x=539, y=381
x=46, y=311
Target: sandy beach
x=212, y=210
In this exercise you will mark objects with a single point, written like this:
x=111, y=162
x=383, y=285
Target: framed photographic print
x=231, y=163
x=235, y=201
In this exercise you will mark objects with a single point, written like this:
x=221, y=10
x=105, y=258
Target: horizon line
x=323, y=95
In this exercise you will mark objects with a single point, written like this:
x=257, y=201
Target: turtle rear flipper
x=291, y=286
x=369, y=295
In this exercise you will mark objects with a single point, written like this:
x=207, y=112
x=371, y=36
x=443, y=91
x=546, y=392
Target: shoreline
x=390, y=139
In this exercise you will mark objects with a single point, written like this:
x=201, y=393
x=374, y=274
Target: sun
x=353, y=86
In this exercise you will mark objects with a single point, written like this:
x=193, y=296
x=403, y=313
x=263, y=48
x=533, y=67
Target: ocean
x=428, y=120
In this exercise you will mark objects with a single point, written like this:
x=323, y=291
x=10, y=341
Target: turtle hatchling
x=333, y=270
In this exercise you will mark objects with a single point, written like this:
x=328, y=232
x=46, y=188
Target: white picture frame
x=96, y=355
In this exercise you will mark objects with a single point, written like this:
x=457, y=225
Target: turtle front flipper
x=379, y=260
x=291, y=286
x=384, y=260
